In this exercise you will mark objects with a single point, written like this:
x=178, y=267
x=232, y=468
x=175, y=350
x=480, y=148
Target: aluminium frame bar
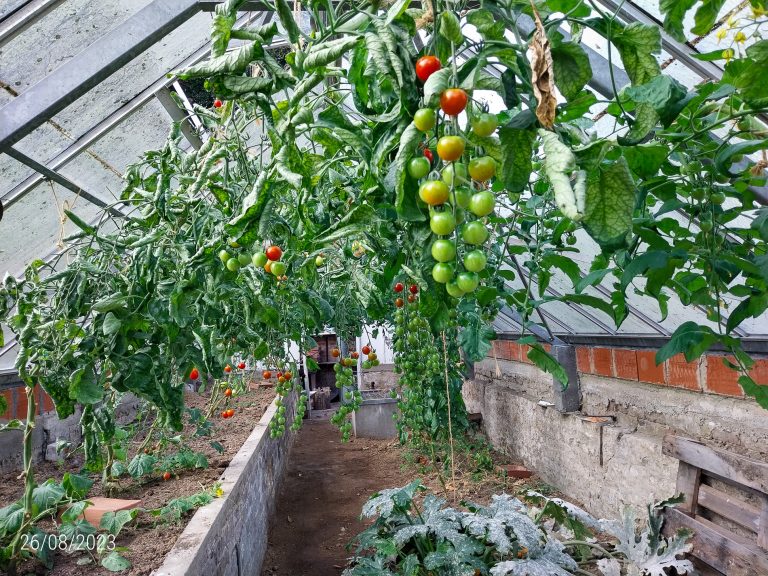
x=101, y=59
x=23, y=17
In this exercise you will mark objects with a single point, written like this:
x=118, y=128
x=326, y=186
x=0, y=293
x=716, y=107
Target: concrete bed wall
x=606, y=467
x=228, y=537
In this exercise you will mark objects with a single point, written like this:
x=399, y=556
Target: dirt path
x=324, y=488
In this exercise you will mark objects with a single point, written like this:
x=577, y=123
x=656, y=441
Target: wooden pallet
x=717, y=549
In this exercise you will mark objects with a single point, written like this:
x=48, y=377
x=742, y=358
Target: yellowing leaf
x=542, y=77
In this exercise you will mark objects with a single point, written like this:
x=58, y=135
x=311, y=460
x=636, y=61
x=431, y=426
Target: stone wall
x=229, y=536
x=381, y=377
x=608, y=455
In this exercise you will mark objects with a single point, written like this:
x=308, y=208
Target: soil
x=327, y=482
x=146, y=540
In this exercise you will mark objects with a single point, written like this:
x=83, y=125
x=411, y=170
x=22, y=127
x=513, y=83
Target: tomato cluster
x=268, y=260
x=460, y=193
x=345, y=382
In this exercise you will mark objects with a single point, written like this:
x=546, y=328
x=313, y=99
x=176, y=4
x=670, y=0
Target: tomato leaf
x=113, y=522
x=674, y=12
x=571, y=67
x=141, y=465
x=287, y=20
x=758, y=391
x=706, y=16
x=327, y=52
x=516, y=154
x=450, y=28
x=405, y=200
x=610, y=202
x=475, y=338
x=435, y=85
x=235, y=62
x=689, y=339
x=488, y=27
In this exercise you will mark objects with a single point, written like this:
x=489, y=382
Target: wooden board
x=729, y=507
x=719, y=548
x=688, y=481
x=733, y=467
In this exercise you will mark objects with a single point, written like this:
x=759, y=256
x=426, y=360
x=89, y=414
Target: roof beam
x=178, y=115
x=23, y=17
x=98, y=61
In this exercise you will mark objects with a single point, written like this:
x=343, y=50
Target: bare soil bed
x=327, y=482
x=147, y=541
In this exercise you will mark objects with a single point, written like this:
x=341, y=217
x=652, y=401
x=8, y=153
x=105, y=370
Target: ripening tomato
x=366, y=350
x=195, y=374
x=355, y=355
x=428, y=155
x=474, y=233
x=450, y=148
x=443, y=250
x=372, y=356
x=442, y=272
x=241, y=365
x=399, y=302
x=484, y=124
x=228, y=392
x=268, y=267
x=482, y=169
x=442, y=223
x=426, y=66
x=434, y=192
x=274, y=253
x=217, y=103
x=288, y=375
x=475, y=261
x=266, y=374
x=230, y=413
x=453, y=101
x=411, y=298
x=399, y=287
x=167, y=476
x=424, y=119
x=259, y=259
x=335, y=352
x=467, y=281
x=482, y=203
x=227, y=368
x=418, y=168
x=413, y=289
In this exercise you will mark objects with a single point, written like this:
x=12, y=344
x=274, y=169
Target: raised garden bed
x=146, y=540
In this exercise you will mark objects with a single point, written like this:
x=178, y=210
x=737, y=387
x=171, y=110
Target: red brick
x=720, y=378
x=625, y=363
x=759, y=372
x=514, y=351
x=603, y=361
x=584, y=359
x=524, y=349
x=683, y=374
x=647, y=370
x=505, y=350
x=515, y=471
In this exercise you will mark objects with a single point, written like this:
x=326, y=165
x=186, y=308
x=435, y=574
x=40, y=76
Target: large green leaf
x=76, y=486
x=450, y=28
x=544, y=360
x=405, y=201
x=489, y=27
x=47, y=496
x=475, y=338
x=674, y=12
x=229, y=87
x=571, y=68
x=516, y=155
x=84, y=388
x=11, y=519
x=435, y=85
x=235, y=62
x=689, y=339
x=706, y=16
x=113, y=522
x=665, y=94
x=141, y=465
x=759, y=391
x=637, y=44
x=610, y=201
x=326, y=52
x=285, y=12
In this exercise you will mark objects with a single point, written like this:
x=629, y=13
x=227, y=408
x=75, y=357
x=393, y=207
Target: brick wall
x=16, y=398
x=708, y=374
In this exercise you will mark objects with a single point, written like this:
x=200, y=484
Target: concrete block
x=374, y=419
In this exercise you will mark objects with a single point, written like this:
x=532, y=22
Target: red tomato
x=241, y=365
x=413, y=289
x=230, y=413
x=355, y=355
x=227, y=368
x=288, y=375
x=335, y=352
x=228, y=392
x=399, y=302
x=453, y=101
x=266, y=374
x=194, y=375
x=366, y=350
x=428, y=155
x=399, y=287
x=426, y=66
x=217, y=103
x=167, y=476
x=274, y=252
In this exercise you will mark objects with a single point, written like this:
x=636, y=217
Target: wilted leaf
x=542, y=77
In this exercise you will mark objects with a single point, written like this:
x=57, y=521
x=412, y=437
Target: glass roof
x=92, y=140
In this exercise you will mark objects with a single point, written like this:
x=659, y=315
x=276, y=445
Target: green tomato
x=467, y=281
x=571, y=240
x=233, y=265
x=706, y=225
x=234, y=244
x=475, y=261
x=244, y=259
x=482, y=203
x=442, y=272
x=278, y=268
x=484, y=124
x=461, y=195
x=717, y=198
x=319, y=261
x=453, y=289
x=474, y=233
x=443, y=250
x=224, y=256
x=418, y=167
x=482, y=169
x=460, y=171
x=442, y=223
x=259, y=259
x=425, y=119
x=698, y=193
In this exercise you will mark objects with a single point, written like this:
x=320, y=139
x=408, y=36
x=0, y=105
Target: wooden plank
x=729, y=507
x=736, y=468
x=688, y=480
x=730, y=554
x=762, y=532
